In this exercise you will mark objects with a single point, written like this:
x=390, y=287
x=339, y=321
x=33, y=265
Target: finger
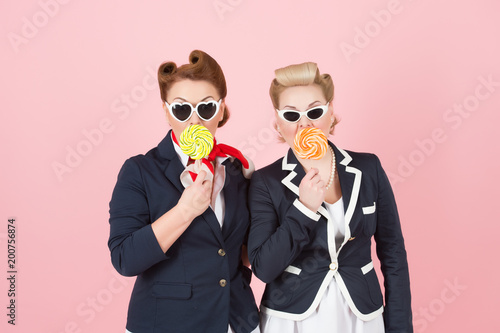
x=311, y=173
x=316, y=179
x=207, y=185
x=200, y=177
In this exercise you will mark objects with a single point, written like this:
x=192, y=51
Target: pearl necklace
x=332, y=170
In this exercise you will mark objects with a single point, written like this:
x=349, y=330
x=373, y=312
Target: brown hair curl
x=201, y=67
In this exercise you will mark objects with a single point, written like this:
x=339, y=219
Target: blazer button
x=333, y=266
x=222, y=282
x=221, y=252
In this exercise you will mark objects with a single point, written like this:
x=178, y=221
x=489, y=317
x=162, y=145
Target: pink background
x=71, y=70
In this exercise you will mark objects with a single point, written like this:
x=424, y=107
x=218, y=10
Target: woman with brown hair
x=313, y=215
x=179, y=225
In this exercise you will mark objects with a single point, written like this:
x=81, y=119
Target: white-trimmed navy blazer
x=292, y=249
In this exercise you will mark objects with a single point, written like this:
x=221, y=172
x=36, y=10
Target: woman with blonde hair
x=313, y=215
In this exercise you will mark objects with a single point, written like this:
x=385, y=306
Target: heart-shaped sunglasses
x=183, y=111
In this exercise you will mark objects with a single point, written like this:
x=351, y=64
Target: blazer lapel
x=292, y=182
x=295, y=175
x=211, y=220
x=350, y=184
x=230, y=196
x=174, y=167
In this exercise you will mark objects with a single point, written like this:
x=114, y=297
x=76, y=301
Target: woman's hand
x=312, y=190
x=193, y=202
x=196, y=198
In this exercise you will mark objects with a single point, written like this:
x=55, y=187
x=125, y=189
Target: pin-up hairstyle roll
x=300, y=75
x=201, y=67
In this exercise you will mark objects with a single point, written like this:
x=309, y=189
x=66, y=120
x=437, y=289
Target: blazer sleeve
x=132, y=243
x=392, y=254
x=274, y=244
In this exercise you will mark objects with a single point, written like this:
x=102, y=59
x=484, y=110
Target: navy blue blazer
x=200, y=283
x=293, y=249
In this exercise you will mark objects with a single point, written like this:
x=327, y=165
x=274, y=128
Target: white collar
x=183, y=157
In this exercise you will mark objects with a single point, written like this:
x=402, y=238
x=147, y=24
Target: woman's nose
x=194, y=120
x=304, y=122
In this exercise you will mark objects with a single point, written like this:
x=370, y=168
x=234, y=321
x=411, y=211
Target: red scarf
x=217, y=150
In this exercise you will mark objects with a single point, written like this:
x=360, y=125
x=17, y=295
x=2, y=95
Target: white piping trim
x=317, y=299
x=306, y=211
x=347, y=296
x=347, y=158
x=369, y=209
x=287, y=181
x=354, y=195
x=330, y=233
x=366, y=268
x=310, y=310
x=285, y=165
x=293, y=270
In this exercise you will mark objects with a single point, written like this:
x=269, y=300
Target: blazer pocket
x=369, y=209
x=369, y=219
x=172, y=290
x=373, y=286
x=293, y=270
x=366, y=268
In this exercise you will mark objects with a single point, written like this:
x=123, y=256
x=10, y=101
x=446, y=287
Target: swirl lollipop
x=310, y=143
x=196, y=141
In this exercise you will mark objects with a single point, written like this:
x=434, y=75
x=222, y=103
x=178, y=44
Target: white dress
x=333, y=313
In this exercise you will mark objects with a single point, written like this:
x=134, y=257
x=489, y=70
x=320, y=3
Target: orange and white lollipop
x=310, y=143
